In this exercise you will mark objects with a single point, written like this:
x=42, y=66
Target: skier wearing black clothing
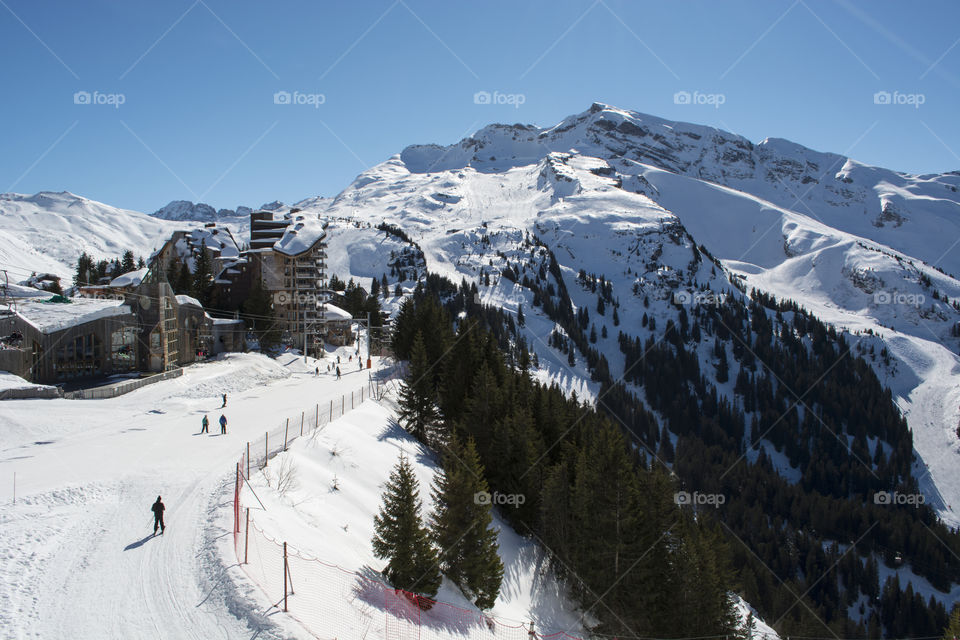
x=157, y=509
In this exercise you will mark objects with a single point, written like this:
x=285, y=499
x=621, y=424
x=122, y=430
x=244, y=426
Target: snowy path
x=77, y=558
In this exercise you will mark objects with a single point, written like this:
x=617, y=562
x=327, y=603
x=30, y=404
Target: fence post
x=331, y=411
x=248, y=459
x=343, y=404
x=285, y=576
x=246, y=540
x=236, y=506
x=316, y=420
x=266, y=448
x=351, y=400
x=285, y=431
x=302, y=414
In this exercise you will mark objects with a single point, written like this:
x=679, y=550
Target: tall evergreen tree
x=202, y=276
x=400, y=537
x=418, y=407
x=461, y=529
x=127, y=262
x=952, y=632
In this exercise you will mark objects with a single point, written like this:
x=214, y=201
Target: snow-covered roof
x=48, y=317
x=20, y=291
x=217, y=239
x=187, y=300
x=223, y=321
x=130, y=279
x=304, y=232
x=334, y=312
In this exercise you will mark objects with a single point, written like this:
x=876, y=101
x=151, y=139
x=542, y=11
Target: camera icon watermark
x=297, y=98
x=897, y=298
x=687, y=298
x=512, y=99
x=897, y=98
x=499, y=499
x=885, y=498
x=697, y=499
x=698, y=98
x=301, y=298
x=96, y=98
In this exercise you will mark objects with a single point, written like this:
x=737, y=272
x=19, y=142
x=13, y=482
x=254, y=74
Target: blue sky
x=197, y=80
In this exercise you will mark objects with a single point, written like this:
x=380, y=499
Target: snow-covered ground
x=76, y=554
x=326, y=511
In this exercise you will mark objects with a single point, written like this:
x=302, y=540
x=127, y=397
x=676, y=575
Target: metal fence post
x=248, y=459
x=302, y=415
x=285, y=431
x=266, y=448
x=285, y=576
x=246, y=540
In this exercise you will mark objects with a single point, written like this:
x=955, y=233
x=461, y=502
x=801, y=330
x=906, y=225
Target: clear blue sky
x=198, y=78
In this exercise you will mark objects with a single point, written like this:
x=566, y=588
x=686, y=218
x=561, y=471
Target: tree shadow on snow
x=138, y=543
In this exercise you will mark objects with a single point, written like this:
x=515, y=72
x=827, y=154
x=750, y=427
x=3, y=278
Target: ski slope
x=77, y=555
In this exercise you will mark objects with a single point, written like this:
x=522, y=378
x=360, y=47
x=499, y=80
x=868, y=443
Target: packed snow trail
x=78, y=556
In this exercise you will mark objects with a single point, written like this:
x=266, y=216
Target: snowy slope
x=48, y=231
x=615, y=193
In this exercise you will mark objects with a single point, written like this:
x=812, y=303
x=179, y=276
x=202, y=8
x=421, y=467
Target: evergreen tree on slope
x=400, y=537
x=418, y=408
x=462, y=531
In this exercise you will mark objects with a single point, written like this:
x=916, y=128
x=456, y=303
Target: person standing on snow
x=157, y=509
x=224, y=401
x=223, y=424
x=206, y=423
x=338, y=373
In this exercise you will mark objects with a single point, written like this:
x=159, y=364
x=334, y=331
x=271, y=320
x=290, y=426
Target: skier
x=157, y=509
x=223, y=424
x=224, y=401
x=206, y=423
x=317, y=372
x=338, y=373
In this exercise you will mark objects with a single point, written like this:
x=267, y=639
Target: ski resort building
x=147, y=329
x=287, y=256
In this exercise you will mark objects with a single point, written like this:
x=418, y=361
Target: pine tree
x=127, y=262
x=418, y=409
x=400, y=537
x=202, y=276
x=520, y=319
x=84, y=267
x=462, y=528
x=952, y=632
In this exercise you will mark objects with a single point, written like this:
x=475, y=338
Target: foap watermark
x=699, y=98
x=96, y=98
x=499, y=499
x=298, y=98
x=897, y=98
x=698, y=499
x=512, y=99
x=895, y=297
x=897, y=498
x=699, y=297
x=301, y=298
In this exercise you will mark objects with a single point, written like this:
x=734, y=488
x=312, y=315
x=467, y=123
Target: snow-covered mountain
x=199, y=212
x=47, y=231
x=629, y=196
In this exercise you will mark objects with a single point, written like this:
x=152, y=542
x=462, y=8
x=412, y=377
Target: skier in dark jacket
x=223, y=423
x=205, y=423
x=157, y=509
x=224, y=401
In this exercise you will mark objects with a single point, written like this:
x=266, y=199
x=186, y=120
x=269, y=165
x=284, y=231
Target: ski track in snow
x=78, y=556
